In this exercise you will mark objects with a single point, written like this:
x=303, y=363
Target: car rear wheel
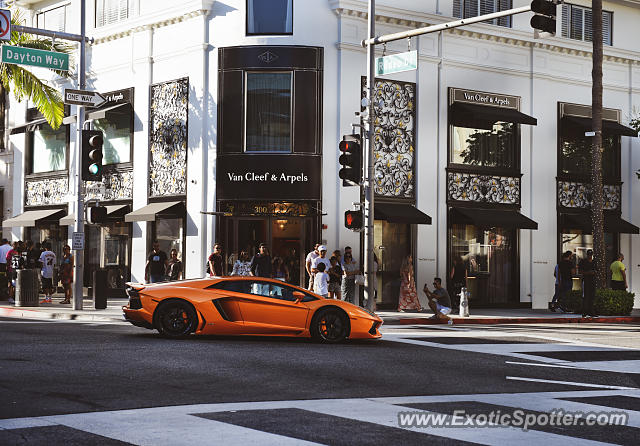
x=330, y=325
x=175, y=319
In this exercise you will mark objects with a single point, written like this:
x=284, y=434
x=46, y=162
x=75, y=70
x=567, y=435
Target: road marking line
x=570, y=383
x=542, y=365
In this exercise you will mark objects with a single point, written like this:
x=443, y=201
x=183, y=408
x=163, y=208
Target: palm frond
x=46, y=98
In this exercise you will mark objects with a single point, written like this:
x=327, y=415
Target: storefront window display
x=489, y=255
x=117, y=138
x=492, y=147
x=170, y=235
x=108, y=247
x=268, y=121
x=48, y=149
x=578, y=242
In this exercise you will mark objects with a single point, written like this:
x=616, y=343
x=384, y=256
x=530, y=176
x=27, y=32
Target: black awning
x=609, y=127
x=612, y=223
x=400, y=213
x=463, y=113
x=492, y=217
x=106, y=112
x=28, y=126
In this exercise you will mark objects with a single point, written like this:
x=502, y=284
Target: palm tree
x=597, y=204
x=26, y=85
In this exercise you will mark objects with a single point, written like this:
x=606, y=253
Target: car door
x=271, y=308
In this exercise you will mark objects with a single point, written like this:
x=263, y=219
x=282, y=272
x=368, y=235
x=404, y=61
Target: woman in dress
x=242, y=267
x=408, y=295
x=66, y=273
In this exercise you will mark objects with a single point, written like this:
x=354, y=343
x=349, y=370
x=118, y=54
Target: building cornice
x=508, y=36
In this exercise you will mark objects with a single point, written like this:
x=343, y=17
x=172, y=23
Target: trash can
x=100, y=289
x=27, y=288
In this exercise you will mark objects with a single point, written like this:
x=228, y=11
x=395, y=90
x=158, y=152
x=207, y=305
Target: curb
x=19, y=313
x=515, y=320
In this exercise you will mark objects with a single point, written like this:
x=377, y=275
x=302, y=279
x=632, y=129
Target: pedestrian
x=174, y=266
x=439, y=300
x=279, y=270
x=309, y=264
x=566, y=270
x=66, y=273
x=618, y=274
x=47, y=261
x=215, y=261
x=335, y=278
x=587, y=270
x=350, y=271
x=261, y=262
x=15, y=261
x=458, y=277
x=242, y=267
x=33, y=254
x=408, y=299
x=347, y=250
x=322, y=258
x=321, y=281
x=156, y=266
x=5, y=247
x=337, y=255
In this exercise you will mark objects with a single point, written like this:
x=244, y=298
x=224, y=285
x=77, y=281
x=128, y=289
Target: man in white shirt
x=47, y=261
x=5, y=247
x=322, y=258
x=309, y=263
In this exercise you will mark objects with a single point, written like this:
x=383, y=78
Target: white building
x=236, y=108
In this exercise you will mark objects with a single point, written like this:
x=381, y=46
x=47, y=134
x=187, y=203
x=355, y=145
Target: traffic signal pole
x=369, y=173
x=78, y=272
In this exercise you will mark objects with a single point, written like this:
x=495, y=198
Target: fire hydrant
x=464, y=302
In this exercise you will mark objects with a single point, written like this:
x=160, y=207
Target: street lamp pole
x=78, y=289
x=369, y=269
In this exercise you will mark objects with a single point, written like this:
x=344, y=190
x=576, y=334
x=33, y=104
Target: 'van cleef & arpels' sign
x=268, y=177
x=482, y=98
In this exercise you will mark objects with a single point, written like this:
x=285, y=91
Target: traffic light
x=96, y=214
x=544, y=18
x=353, y=220
x=351, y=160
x=92, y=155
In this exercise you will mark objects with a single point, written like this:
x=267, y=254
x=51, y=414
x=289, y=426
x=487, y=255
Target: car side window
x=235, y=286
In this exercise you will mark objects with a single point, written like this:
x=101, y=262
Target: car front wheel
x=175, y=319
x=330, y=325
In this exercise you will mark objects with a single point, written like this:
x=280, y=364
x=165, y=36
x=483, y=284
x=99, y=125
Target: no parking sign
x=5, y=24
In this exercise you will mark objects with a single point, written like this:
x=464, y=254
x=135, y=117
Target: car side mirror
x=298, y=296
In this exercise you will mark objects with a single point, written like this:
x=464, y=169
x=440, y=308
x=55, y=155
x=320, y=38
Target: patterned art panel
x=394, y=136
x=118, y=185
x=483, y=188
x=47, y=191
x=573, y=194
x=168, y=138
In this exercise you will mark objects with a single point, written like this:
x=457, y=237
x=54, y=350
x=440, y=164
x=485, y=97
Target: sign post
x=395, y=63
x=83, y=97
x=5, y=24
x=37, y=58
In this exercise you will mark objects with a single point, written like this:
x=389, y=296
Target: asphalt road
x=56, y=368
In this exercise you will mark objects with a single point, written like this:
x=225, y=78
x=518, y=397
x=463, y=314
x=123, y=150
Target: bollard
x=464, y=302
x=27, y=288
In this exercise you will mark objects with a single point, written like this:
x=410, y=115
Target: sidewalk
x=55, y=310
x=491, y=316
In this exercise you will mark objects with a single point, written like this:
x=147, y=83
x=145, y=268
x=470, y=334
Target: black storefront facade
x=483, y=194
x=269, y=160
x=573, y=182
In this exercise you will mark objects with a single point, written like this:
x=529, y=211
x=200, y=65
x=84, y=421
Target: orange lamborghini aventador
x=245, y=306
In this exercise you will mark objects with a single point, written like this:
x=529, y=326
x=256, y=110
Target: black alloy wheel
x=330, y=325
x=175, y=319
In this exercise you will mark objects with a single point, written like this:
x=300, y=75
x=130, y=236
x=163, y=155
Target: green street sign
x=396, y=63
x=37, y=58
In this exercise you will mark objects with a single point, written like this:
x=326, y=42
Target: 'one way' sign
x=83, y=97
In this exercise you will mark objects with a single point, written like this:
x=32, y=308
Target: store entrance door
x=392, y=242
x=285, y=236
